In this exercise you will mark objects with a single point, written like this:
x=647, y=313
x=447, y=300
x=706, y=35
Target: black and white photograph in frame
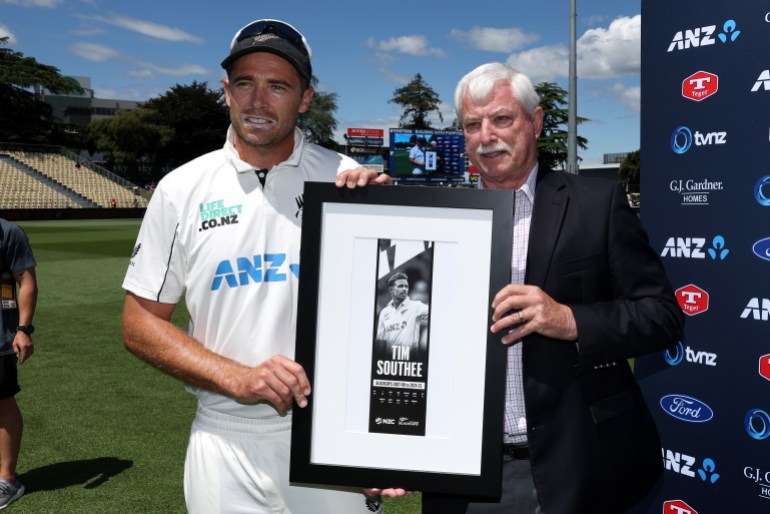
x=401, y=337
x=460, y=257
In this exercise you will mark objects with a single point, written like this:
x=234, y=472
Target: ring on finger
x=521, y=317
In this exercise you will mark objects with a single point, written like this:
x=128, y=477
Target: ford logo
x=686, y=408
x=762, y=249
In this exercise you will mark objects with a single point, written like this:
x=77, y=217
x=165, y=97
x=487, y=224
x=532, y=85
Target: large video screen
x=427, y=156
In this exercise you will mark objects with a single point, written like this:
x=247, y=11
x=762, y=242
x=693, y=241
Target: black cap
x=272, y=36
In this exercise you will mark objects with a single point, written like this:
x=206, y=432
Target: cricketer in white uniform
x=224, y=232
x=417, y=157
x=401, y=320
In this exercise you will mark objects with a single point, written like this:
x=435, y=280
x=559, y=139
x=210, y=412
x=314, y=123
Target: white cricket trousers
x=240, y=465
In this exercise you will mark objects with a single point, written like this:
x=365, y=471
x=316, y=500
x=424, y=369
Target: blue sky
x=363, y=51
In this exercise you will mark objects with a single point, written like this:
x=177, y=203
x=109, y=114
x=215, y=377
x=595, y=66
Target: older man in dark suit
x=587, y=293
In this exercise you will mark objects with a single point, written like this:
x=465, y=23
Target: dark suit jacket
x=594, y=447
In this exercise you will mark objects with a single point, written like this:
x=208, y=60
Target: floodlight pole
x=572, y=164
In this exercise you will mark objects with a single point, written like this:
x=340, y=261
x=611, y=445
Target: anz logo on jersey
x=394, y=326
x=270, y=267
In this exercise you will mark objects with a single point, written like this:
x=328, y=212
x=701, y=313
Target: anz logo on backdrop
x=685, y=465
x=704, y=36
x=695, y=248
x=763, y=82
x=757, y=309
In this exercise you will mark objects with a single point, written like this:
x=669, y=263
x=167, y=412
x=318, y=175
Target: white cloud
x=179, y=71
x=6, y=32
x=602, y=53
x=99, y=53
x=544, y=63
x=395, y=78
x=87, y=31
x=141, y=74
x=33, y=3
x=148, y=28
x=94, y=52
x=411, y=45
x=628, y=96
x=494, y=40
x=611, y=52
x=385, y=59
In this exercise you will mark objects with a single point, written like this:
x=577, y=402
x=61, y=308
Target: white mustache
x=497, y=147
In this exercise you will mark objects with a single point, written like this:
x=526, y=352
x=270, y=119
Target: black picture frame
x=461, y=451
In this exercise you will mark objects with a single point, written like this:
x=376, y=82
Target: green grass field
x=104, y=432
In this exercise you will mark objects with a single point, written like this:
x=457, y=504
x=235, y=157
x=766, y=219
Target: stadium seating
x=87, y=183
x=20, y=191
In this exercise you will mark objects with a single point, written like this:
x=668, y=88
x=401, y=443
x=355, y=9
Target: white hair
x=479, y=83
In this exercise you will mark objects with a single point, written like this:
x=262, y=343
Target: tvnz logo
x=682, y=139
x=674, y=356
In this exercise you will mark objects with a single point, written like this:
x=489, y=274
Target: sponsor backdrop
x=706, y=204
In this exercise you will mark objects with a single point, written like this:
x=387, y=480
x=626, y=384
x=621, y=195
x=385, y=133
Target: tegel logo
x=764, y=366
x=692, y=299
x=763, y=81
x=757, y=309
x=757, y=424
x=762, y=249
x=686, y=408
x=700, y=85
x=677, y=507
x=762, y=191
x=704, y=36
x=683, y=138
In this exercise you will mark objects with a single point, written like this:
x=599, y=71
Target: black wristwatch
x=27, y=328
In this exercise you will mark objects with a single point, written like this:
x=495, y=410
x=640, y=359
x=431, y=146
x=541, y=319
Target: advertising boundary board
x=705, y=139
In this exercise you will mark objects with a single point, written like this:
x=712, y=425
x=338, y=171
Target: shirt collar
x=528, y=188
x=231, y=154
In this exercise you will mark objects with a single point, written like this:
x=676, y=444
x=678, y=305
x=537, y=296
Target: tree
x=417, y=100
x=130, y=137
x=198, y=117
x=318, y=123
x=552, y=145
x=630, y=170
x=24, y=115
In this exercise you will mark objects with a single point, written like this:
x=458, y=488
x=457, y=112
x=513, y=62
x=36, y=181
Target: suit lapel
x=548, y=213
